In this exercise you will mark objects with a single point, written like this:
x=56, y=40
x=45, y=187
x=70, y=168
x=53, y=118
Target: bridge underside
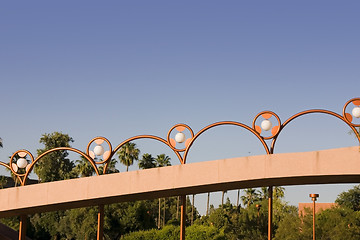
x=318, y=167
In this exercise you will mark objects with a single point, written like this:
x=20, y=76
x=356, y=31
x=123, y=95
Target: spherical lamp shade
x=21, y=163
x=266, y=125
x=356, y=112
x=99, y=150
x=180, y=137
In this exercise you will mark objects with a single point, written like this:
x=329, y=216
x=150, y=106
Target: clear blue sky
x=124, y=68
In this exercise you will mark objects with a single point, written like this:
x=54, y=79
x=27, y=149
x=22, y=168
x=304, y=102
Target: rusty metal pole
x=100, y=230
x=313, y=198
x=182, y=217
x=22, y=227
x=314, y=220
x=270, y=213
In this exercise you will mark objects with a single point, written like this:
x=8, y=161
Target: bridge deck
x=327, y=166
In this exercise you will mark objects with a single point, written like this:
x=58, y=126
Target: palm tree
x=237, y=199
x=264, y=194
x=250, y=197
x=162, y=161
x=128, y=153
x=278, y=192
x=222, y=198
x=147, y=161
x=111, y=168
x=207, y=205
x=192, y=209
x=83, y=168
x=3, y=181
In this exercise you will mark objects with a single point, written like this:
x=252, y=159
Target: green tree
x=55, y=165
x=111, y=168
x=336, y=224
x=278, y=193
x=122, y=218
x=79, y=223
x=52, y=167
x=350, y=199
x=291, y=227
x=222, y=197
x=128, y=153
x=147, y=161
x=3, y=181
x=251, y=196
x=83, y=168
x=162, y=161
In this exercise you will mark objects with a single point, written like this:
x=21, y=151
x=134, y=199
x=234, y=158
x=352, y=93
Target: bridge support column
x=182, y=217
x=100, y=229
x=270, y=213
x=22, y=227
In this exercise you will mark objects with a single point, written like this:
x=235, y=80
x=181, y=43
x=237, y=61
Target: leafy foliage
x=147, y=161
x=128, y=153
x=350, y=199
x=55, y=165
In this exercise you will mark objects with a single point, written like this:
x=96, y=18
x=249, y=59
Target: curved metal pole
x=270, y=212
x=225, y=123
x=142, y=137
x=100, y=228
x=61, y=149
x=309, y=112
x=9, y=168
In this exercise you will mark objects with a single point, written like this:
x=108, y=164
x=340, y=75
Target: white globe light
x=99, y=150
x=356, y=112
x=180, y=137
x=21, y=163
x=266, y=125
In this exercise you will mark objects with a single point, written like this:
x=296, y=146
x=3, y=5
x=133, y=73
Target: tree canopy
x=128, y=153
x=55, y=165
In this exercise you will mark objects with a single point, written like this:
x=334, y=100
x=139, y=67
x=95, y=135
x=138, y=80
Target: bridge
x=319, y=167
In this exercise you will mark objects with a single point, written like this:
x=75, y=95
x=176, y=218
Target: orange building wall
x=318, y=208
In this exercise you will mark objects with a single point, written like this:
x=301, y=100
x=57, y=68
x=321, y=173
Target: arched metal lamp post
x=22, y=162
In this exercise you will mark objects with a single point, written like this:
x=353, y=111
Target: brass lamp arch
x=8, y=167
x=266, y=115
x=347, y=116
x=31, y=166
x=22, y=154
x=99, y=140
x=352, y=126
x=180, y=128
x=5, y=165
x=260, y=138
x=143, y=137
